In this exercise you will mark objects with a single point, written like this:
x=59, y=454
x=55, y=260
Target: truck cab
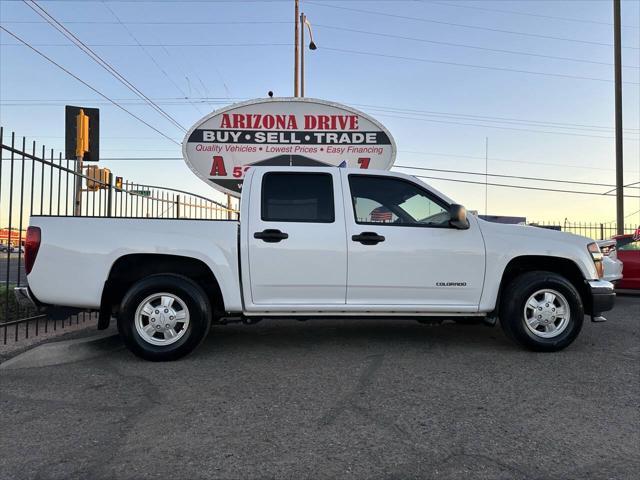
x=317, y=242
x=340, y=240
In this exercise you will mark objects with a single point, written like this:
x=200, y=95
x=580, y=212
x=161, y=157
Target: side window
x=383, y=200
x=297, y=197
x=629, y=245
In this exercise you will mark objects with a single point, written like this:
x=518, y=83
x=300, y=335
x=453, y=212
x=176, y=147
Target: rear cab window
x=297, y=197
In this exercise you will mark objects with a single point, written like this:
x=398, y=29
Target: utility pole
x=296, y=48
x=617, y=48
x=302, y=20
x=486, y=175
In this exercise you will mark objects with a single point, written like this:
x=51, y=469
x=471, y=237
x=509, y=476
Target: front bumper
x=603, y=296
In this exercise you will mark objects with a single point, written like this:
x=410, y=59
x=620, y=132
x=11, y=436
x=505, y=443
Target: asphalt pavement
x=336, y=399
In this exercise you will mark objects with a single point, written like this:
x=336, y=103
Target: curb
x=67, y=351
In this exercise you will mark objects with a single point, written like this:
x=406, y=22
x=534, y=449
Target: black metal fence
x=597, y=231
x=35, y=180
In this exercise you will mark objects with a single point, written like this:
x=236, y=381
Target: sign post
x=82, y=146
x=224, y=145
x=82, y=143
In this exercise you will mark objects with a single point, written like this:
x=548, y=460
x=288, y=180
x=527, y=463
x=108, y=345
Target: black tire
x=187, y=291
x=512, y=314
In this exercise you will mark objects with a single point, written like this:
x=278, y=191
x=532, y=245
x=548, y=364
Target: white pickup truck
x=316, y=242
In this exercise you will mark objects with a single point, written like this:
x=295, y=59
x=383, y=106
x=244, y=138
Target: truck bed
x=85, y=248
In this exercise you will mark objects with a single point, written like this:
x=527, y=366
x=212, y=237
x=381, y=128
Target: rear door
x=402, y=251
x=296, y=238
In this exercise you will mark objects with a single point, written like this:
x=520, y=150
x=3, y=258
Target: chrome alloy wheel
x=162, y=319
x=547, y=313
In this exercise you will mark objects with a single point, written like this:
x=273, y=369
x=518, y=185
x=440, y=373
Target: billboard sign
x=222, y=146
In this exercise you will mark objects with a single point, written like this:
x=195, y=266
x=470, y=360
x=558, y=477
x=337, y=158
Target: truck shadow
x=388, y=333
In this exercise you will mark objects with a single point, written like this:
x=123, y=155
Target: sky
x=526, y=84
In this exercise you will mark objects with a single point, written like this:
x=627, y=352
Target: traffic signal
x=119, y=183
x=82, y=133
x=97, y=178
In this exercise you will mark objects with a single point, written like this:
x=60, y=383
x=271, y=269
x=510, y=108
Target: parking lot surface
x=336, y=399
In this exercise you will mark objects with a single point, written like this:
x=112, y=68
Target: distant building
x=12, y=237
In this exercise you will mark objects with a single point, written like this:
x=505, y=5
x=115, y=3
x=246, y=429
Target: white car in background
x=612, y=266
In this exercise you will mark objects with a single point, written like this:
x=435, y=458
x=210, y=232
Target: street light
x=304, y=21
x=312, y=45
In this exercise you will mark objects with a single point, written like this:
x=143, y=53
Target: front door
x=297, y=248
x=402, y=251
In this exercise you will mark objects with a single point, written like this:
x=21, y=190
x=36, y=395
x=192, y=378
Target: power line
x=162, y=45
x=151, y=57
x=98, y=59
x=508, y=160
x=523, y=187
x=517, y=177
x=154, y=22
x=469, y=65
x=624, y=186
x=417, y=116
x=526, y=14
x=462, y=45
x=382, y=108
x=381, y=113
x=447, y=179
x=432, y=2
x=491, y=118
x=288, y=44
x=499, y=127
x=176, y=159
x=133, y=101
x=89, y=86
x=461, y=25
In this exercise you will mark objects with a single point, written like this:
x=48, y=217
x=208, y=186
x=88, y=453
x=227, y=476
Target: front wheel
x=542, y=311
x=164, y=317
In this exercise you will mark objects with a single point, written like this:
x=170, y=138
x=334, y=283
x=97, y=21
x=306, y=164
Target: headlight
x=596, y=255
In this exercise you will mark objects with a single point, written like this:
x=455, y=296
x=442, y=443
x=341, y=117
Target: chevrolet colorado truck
x=316, y=242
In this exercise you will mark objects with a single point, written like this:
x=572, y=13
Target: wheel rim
x=547, y=313
x=162, y=319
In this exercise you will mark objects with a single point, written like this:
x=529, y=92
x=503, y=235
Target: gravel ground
x=336, y=399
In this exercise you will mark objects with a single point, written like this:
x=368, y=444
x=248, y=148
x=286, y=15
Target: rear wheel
x=542, y=311
x=164, y=317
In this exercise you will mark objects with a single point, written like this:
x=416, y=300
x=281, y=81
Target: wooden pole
x=618, y=102
x=296, y=59
x=302, y=54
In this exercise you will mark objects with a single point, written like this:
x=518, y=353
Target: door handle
x=368, y=238
x=271, y=235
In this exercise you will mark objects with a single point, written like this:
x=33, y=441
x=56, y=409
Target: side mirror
x=458, y=217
